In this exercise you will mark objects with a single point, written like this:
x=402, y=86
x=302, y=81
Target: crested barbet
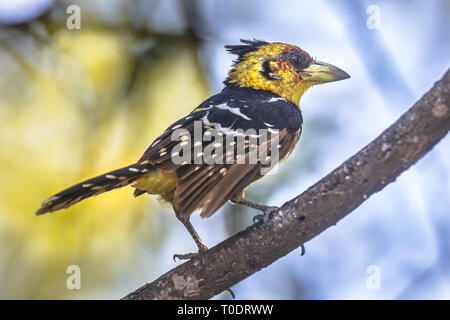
x=255, y=121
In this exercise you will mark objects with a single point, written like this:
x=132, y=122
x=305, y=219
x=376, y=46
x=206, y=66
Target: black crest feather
x=242, y=49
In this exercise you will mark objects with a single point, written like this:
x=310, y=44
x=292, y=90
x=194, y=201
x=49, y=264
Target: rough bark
x=321, y=206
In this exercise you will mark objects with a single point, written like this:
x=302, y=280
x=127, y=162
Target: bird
x=255, y=121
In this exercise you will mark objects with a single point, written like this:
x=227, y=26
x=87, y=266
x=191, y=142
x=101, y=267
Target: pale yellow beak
x=322, y=72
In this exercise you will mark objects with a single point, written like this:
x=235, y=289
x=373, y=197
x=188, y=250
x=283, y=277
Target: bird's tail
x=92, y=187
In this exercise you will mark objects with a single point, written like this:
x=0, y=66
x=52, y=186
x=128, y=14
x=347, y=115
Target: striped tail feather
x=112, y=180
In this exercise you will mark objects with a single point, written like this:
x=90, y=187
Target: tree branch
x=321, y=206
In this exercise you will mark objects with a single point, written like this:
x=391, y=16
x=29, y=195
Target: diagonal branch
x=321, y=206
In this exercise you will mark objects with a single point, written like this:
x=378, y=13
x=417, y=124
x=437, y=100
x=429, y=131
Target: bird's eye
x=299, y=61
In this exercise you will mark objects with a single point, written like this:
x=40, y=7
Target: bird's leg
x=201, y=246
x=267, y=210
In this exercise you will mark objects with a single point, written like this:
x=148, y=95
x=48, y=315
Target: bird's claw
x=302, y=247
x=265, y=217
x=187, y=256
x=259, y=218
x=231, y=293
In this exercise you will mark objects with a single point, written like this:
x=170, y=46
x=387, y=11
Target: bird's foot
x=265, y=216
x=302, y=247
x=187, y=256
x=267, y=210
x=231, y=293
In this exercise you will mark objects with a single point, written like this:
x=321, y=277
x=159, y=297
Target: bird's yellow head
x=281, y=68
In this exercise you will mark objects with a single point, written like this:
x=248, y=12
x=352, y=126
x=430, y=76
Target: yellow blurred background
x=74, y=104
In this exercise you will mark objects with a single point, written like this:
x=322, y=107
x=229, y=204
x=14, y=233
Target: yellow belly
x=156, y=182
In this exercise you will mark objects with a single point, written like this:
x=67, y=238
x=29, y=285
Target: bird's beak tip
x=344, y=75
x=322, y=72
